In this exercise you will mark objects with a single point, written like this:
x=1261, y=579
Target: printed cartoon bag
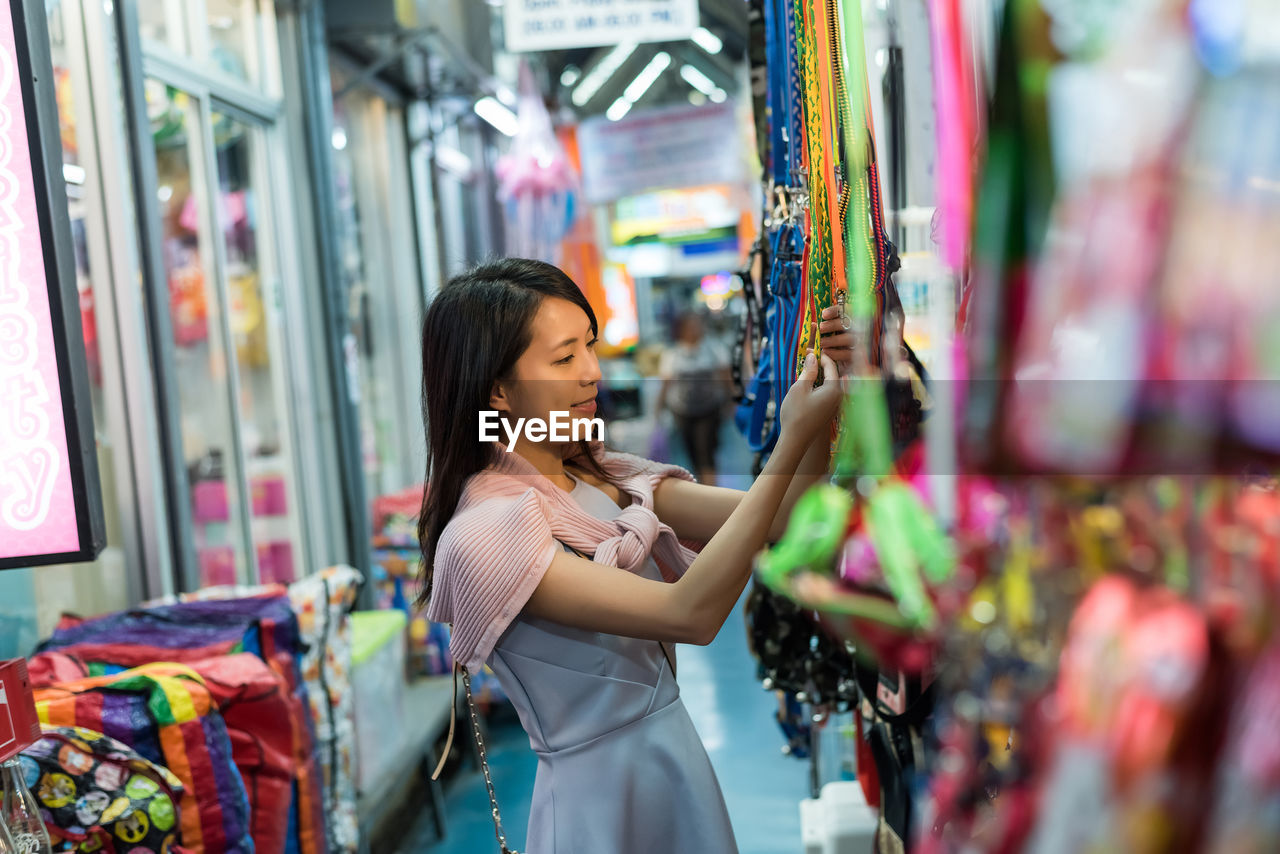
x=254, y=704
x=98, y=795
x=173, y=721
x=189, y=632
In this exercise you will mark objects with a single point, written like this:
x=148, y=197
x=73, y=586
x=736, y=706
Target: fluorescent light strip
x=600, y=74
x=618, y=109
x=698, y=80
x=492, y=111
x=651, y=72
x=707, y=40
x=453, y=161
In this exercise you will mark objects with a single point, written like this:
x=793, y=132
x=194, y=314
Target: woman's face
x=559, y=370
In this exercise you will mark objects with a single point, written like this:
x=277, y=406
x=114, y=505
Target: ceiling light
x=603, y=70
x=339, y=139
x=73, y=174
x=718, y=96
x=698, y=80
x=618, y=109
x=570, y=75
x=651, y=72
x=492, y=111
x=707, y=40
x=505, y=94
x=453, y=161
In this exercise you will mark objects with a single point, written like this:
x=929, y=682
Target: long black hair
x=473, y=333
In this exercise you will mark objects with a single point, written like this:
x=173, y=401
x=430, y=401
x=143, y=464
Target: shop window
x=233, y=393
x=262, y=409
x=200, y=359
x=163, y=22
x=233, y=37
x=382, y=282
x=221, y=34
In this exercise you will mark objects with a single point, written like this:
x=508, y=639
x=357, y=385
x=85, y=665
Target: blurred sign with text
x=668, y=148
x=560, y=24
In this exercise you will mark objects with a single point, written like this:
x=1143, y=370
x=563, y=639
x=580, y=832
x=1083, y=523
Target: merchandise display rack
x=1055, y=487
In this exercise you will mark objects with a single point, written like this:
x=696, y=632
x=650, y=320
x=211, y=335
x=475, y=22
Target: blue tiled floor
x=734, y=716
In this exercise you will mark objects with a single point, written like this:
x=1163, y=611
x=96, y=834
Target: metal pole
x=433, y=173
x=155, y=284
x=318, y=118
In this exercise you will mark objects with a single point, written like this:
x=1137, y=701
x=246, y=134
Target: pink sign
x=37, y=500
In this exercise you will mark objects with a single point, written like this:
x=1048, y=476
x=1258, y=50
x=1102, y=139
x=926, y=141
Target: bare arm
x=581, y=593
x=697, y=511
x=578, y=592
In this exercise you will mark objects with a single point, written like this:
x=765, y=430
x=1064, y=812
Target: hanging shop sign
x=683, y=232
x=561, y=24
x=50, y=504
x=677, y=217
x=675, y=147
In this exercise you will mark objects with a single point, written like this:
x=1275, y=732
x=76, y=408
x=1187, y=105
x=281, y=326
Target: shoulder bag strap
x=480, y=749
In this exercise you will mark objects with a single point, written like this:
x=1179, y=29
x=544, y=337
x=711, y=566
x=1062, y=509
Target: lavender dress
x=621, y=769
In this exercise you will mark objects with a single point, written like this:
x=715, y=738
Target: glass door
x=382, y=283
x=234, y=394
x=200, y=346
x=263, y=411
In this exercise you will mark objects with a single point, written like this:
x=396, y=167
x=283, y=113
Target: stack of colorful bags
x=242, y=695
x=396, y=561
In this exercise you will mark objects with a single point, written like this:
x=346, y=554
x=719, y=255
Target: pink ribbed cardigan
x=494, y=551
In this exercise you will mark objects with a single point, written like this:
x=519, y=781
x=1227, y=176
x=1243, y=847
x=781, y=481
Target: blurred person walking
x=697, y=388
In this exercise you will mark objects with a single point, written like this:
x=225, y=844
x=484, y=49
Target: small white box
x=840, y=822
x=813, y=825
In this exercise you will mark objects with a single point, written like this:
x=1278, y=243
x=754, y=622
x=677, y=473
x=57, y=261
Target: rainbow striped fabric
x=169, y=720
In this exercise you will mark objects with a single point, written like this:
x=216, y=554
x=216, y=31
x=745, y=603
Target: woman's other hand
x=838, y=340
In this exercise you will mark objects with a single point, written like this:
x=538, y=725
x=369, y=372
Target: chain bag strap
x=484, y=767
x=503, y=848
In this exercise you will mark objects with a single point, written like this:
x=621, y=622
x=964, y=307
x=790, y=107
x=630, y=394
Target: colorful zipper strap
x=819, y=268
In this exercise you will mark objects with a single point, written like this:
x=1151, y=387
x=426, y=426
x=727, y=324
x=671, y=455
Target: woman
x=696, y=385
x=580, y=644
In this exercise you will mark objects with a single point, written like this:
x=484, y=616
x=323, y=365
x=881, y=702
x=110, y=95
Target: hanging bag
x=99, y=795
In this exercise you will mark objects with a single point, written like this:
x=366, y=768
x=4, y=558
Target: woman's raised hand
x=806, y=410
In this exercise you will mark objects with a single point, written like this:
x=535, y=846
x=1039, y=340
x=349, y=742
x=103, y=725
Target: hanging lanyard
x=824, y=267
x=795, y=93
x=777, y=48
